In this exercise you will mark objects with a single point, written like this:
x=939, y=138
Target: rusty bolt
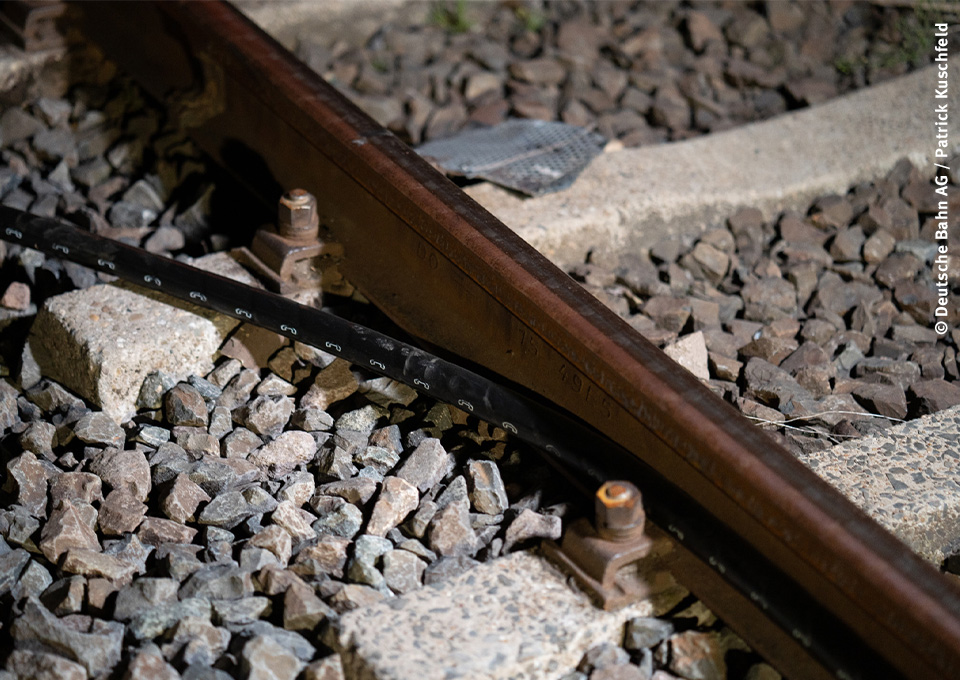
x=620, y=515
x=297, y=216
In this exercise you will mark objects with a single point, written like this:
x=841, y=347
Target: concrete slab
x=627, y=199
x=352, y=20
x=515, y=617
x=102, y=341
x=907, y=479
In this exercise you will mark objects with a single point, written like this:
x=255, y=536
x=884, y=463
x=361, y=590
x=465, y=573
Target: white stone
x=102, y=341
x=690, y=351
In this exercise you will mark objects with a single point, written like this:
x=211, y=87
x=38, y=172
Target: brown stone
x=28, y=479
x=542, y=71
x=884, y=400
x=94, y=563
x=128, y=470
x=698, y=655
x=701, y=29
x=182, y=499
x=156, y=531
x=183, y=405
x=148, y=666
x=66, y=530
x=327, y=668
x=284, y=453
x=774, y=350
x=120, y=513
x=397, y=499
x=302, y=609
x=291, y=518
x=263, y=658
x=930, y=396
x=333, y=383
x=17, y=296
x=276, y=539
x=669, y=312
x=327, y=556
x=38, y=665
x=879, y=246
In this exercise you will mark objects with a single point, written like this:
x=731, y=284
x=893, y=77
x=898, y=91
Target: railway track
x=807, y=579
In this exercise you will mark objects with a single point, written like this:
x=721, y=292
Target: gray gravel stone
x=266, y=415
x=403, y=571
x=152, y=622
x=154, y=386
x=426, y=465
x=337, y=463
x=39, y=438
x=529, y=524
x=96, y=649
x=644, y=632
x=12, y=565
x=380, y=459
x=343, y=519
x=34, y=579
x=217, y=582
x=288, y=450
x=226, y=510
x=142, y=594
x=98, y=428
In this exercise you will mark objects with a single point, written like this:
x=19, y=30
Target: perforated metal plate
x=531, y=156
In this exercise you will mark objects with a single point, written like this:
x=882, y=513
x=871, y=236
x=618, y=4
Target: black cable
x=523, y=417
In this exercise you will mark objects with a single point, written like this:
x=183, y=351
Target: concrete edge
x=631, y=198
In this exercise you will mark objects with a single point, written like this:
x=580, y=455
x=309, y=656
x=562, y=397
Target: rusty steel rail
x=447, y=271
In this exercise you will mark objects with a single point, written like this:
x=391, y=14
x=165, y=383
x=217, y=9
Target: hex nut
x=297, y=215
x=619, y=511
